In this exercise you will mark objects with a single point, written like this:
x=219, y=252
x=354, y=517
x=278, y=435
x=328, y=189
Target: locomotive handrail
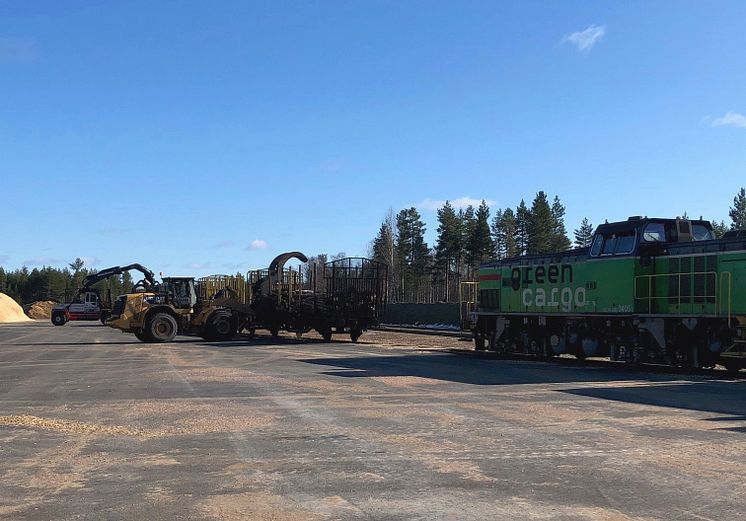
x=730, y=287
x=650, y=297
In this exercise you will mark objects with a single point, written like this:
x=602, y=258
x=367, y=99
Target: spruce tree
x=718, y=228
x=412, y=253
x=448, y=245
x=508, y=225
x=480, y=244
x=498, y=236
x=738, y=211
x=467, y=223
x=584, y=234
x=540, y=225
x=559, y=241
x=382, y=244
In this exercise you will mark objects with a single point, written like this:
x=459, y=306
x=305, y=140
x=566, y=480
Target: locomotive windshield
x=655, y=232
x=700, y=232
x=618, y=243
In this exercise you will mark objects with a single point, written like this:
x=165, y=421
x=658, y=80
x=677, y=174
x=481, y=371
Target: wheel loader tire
x=219, y=326
x=59, y=319
x=160, y=327
x=142, y=337
x=104, y=317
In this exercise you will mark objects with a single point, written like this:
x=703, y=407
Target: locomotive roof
x=635, y=223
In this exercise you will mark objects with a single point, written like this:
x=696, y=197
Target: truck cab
x=85, y=306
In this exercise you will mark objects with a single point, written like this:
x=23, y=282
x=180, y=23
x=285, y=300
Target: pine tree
x=448, y=246
x=127, y=282
x=498, y=236
x=584, y=234
x=559, y=241
x=479, y=245
x=522, y=225
x=540, y=225
x=467, y=223
x=718, y=228
x=509, y=232
x=412, y=254
x=738, y=211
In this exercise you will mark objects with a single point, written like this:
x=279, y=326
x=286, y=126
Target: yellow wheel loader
x=173, y=308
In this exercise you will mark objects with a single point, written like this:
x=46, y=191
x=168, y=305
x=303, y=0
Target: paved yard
x=95, y=425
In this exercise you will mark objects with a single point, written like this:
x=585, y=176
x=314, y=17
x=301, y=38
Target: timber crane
x=88, y=304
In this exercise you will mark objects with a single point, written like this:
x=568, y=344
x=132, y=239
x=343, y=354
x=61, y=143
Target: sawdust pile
x=40, y=309
x=10, y=311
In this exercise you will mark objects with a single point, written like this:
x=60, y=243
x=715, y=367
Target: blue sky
x=206, y=137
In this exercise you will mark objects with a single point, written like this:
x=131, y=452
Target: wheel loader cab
x=180, y=292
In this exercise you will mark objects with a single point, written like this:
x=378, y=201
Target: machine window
x=654, y=232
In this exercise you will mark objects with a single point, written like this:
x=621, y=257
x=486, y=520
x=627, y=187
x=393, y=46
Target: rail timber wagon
x=345, y=296
x=646, y=290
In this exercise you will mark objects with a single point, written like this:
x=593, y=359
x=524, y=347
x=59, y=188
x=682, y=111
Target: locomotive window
x=596, y=246
x=701, y=233
x=654, y=232
x=625, y=244
x=609, y=245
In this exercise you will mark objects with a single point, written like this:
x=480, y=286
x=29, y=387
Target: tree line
x=417, y=272
x=470, y=236
x=26, y=286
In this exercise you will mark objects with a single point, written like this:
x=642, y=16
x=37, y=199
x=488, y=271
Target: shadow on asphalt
x=693, y=393
x=701, y=395
x=447, y=367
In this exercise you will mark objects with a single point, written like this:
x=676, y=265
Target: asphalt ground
x=95, y=425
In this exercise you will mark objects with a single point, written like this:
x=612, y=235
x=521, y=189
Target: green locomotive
x=646, y=290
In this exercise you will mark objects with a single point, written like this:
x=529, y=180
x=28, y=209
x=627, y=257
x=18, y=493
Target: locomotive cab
x=645, y=236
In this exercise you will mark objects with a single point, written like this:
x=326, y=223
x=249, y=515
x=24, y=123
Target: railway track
x=717, y=373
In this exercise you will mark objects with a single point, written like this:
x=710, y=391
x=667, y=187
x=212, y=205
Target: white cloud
x=585, y=40
x=461, y=202
x=731, y=119
x=41, y=261
x=90, y=261
x=258, y=244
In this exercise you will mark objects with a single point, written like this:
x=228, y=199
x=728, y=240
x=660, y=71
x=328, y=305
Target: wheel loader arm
x=90, y=280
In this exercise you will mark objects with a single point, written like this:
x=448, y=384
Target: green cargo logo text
x=557, y=297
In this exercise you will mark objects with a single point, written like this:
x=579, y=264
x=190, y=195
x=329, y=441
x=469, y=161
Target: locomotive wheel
x=161, y=327
x=59, y=319
x=355, y=334
x=326, y=335
x=479, y=344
